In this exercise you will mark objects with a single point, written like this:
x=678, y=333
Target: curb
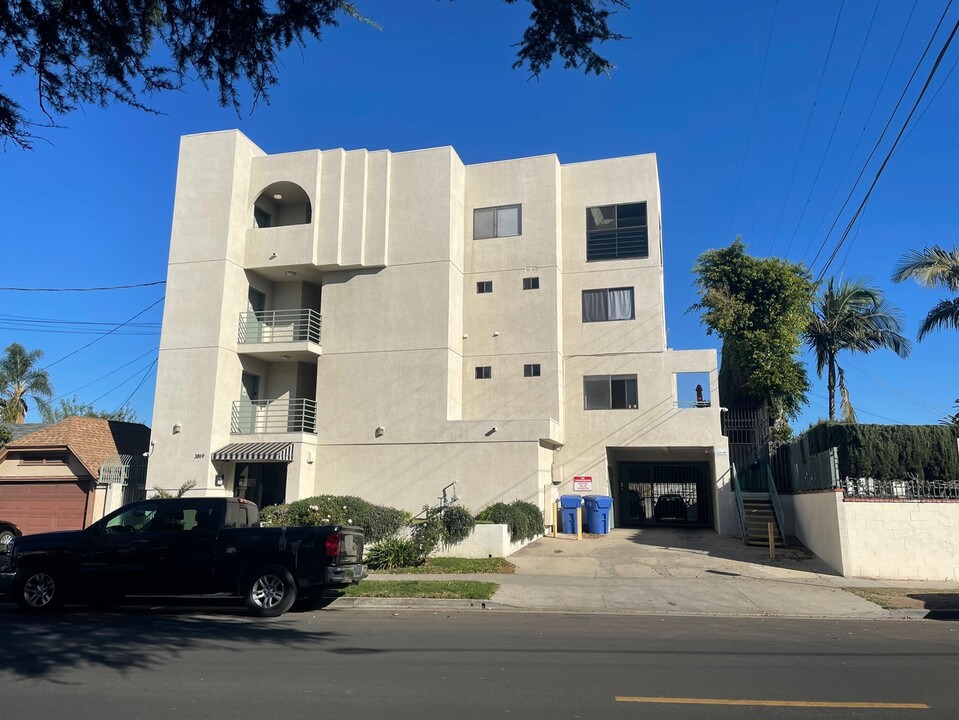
x=489, y=605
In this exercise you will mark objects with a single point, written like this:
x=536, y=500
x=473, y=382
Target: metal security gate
x=663, y=494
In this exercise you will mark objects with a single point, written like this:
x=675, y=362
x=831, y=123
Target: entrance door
x=663, y=494
x=261, y=483
x=249, y=394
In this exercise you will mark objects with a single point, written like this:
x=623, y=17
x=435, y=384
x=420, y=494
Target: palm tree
x=19, y=379
x=933, y=267
x=856, y=318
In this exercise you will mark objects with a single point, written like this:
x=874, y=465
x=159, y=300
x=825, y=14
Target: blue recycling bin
x=567, y=511
x=598, y=510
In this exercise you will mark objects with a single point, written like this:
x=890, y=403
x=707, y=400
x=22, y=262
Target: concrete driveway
x=676, y=570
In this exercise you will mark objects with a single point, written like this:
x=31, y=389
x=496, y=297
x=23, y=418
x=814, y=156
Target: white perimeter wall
x=895, y=540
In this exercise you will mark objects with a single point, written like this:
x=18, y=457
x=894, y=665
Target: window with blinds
x=617, y=231
x=495, y=222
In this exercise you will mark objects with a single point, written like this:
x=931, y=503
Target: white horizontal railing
x=280, y=326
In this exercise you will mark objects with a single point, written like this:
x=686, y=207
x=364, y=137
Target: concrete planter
x=486, y=541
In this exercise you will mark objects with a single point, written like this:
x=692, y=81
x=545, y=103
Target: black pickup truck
x=184, y=546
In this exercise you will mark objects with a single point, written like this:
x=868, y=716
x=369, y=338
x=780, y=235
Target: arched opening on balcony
x=282, y=203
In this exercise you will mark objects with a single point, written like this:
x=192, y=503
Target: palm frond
x=933, y=266
x=944, y=315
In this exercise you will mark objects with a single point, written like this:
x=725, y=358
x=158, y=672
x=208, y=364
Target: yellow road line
x=773, y=703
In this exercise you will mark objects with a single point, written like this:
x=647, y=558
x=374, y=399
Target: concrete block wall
x=885, y=539
x=903, y=540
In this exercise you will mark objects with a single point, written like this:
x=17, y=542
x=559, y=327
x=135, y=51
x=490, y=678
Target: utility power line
x=862, y=133
x=139, y=384
x=106, y=334
x=805, y=134
x=862, y=205
x=835, y=126
x=84, y=289
x=104, y=377
x=883, y=134
x=124, y=382
x=749, y=133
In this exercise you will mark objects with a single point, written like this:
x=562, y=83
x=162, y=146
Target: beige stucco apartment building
x=383, y=324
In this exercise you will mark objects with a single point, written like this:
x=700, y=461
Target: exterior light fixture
x=379, y=431
x=177, y=428
x=290, y=273
x=277, y=196
x=285, y=357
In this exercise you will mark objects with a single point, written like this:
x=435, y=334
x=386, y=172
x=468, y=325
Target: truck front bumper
x=6, y=584
x=345, y=574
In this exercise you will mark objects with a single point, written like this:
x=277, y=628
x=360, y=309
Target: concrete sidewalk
x=674, y=571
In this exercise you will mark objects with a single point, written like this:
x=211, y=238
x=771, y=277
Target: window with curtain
x=494, y=222
x=608, y=304
x=610, y=392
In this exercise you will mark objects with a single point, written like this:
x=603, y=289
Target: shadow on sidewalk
x=705, y=541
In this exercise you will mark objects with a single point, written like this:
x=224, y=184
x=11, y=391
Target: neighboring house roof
x=91, y=440
x=18, y=431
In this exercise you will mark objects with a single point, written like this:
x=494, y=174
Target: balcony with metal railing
x=280, y=334
x=259, y=417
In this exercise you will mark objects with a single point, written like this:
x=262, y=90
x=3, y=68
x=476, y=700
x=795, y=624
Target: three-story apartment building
x=383, y=324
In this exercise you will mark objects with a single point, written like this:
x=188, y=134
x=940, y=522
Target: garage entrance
x=663, y=493
x=43, y=506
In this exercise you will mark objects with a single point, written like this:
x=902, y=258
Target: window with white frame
x=617, y=231
x=608, y=304
x=531, y=283
x=484, y=372
x=484, y=286
x=610, y=392
x=531, y=370
x=496, y=222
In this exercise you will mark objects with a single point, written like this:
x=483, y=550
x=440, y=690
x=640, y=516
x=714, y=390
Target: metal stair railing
x=777, y=505
x=739, y=504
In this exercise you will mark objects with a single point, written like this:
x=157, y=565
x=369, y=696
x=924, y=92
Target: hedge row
x=378, y=521
x=525, y=520
x=889, y=452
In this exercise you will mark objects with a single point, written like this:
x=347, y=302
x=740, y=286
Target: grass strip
x=457, y=566
x=441, y=589
x=891, y=598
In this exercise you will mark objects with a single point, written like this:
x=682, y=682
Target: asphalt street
x=213, y=662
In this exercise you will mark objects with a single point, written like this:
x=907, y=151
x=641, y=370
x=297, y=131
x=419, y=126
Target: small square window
x=531, y=370
x=531, y=283
x=484, y=286
x=484, y=372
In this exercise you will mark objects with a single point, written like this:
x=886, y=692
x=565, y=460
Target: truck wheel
x=271, y=591
x=39, y=590
x=6, y=537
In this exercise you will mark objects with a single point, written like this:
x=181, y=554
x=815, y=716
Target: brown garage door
x=43, y=506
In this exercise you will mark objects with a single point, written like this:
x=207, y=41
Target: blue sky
x=93, y=206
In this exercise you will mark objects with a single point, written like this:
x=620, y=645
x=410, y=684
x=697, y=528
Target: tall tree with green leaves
x=759, y=307
x=73, y=407
x=851, y=317
x=21, y=379
x=124, y=51
x=933, y=267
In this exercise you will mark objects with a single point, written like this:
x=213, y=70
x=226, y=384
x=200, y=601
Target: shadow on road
x=941, y=605
x=141, y=636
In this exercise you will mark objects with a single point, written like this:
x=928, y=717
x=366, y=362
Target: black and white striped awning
x=256, y=452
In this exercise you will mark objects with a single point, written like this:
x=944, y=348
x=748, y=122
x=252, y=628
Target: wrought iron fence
x=912, y=488
x=273, y=416
x=276, y=326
